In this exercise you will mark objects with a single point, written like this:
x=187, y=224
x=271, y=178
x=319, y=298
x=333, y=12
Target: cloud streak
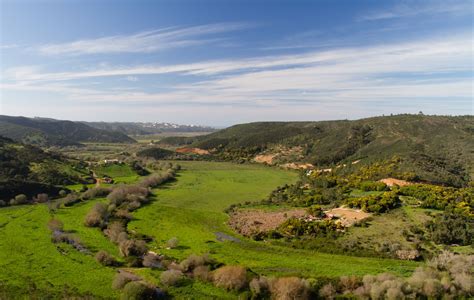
x=343, y=78
x=406, y=10
x=145, y=41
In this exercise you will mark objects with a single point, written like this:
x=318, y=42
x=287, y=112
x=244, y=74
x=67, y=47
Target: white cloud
x=407, y=9
x=146, y=41
x=132, y=78
x=340, y=78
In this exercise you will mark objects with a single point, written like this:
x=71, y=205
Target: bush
x=171, y=277
x=230, y=277
x=287, y=288
x=105, y=258
x=132, y=248
x=202, y=273
x=41, y=198
x=120, y=280
x=172, y=243
x=116, y=232
x=138, y=290
x=194, y=261
x=328, y=291
x=55, y=225
x=152, y=260
x=95, y=192
x=96, y=217
x=260, y=288
x=19, y=199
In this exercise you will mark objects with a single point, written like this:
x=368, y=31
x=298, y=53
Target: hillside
x=436, y=148
x=48, y=132
x=26, y=169
x=144, y=128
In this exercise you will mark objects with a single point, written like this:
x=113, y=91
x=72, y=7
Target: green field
x=191, y=209
x=31, y=264
x=121, y=173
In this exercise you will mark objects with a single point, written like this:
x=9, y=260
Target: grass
x=32, y=265
x=191, y=209
x=121, y=173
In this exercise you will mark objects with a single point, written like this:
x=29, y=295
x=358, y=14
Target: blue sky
x=225, y=62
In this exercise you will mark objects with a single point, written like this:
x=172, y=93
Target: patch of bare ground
x=297, y=166
x=265, y=158
x=248, y=222
x=347, y=216
x=394, y=181
x=198, y=151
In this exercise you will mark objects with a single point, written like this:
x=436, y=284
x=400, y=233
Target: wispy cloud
x=412, y=9
x=146, y=41
x=424, y=69
x=8, y=46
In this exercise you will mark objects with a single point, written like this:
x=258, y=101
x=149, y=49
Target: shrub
x=132, y=248
x=95, y=192
x=171, y=277
x=105, y=258
x=55, y=225
x=260, y=288
x=328, y=291
x=152, y=260
x=96, y=217
x=194, y=261
x=172, y=243
x=349, y=283
x=19, y=199
x=202, y=273
x=287, y=288
x=230, y=277
x=42, y=198
x=115, y=232
x=138, y=290
x=120, y=280
x=70, y=199
x=2, y=203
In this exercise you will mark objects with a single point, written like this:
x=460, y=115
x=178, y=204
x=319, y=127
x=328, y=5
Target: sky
x=225, y=62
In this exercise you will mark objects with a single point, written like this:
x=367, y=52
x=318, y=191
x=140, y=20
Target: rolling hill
x=49, y=132
x=26, y=169
x=144, y=128
x=437, y=148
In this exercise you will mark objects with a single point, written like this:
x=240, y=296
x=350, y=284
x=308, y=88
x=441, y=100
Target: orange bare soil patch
x=297, y=166
x=393, y=181
x=248, y=222
x=265, y=158
x=348, y=216
x=192, y=150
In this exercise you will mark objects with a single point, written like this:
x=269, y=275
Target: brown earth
x=265, y=158
x=193, y=151
x=393, y=181
x=248, y=222
x=348, y=216
x=297, y=166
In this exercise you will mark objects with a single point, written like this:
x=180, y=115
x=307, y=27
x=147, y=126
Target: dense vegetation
x=47, y=132
x=26, y=169
x=434, y=148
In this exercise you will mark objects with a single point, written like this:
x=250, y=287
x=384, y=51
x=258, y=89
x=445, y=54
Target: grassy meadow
x=189, y=208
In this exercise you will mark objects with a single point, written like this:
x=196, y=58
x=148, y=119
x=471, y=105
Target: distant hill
x=438, y=148
x=26, y=169
x=144, y=128
x=47, y=132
